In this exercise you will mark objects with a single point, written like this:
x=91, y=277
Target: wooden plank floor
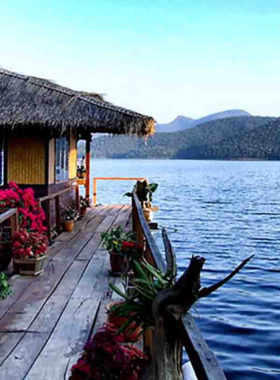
x=47, y=320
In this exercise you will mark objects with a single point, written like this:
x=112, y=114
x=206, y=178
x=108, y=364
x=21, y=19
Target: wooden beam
x=151, y=246
x=8, y=214
x=57, y=213
x=88, y=167
x=204, y=361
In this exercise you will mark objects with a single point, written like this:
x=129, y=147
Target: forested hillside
x=182, y=122
x=237, y=137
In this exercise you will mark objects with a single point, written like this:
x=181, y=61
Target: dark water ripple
x=224, y=211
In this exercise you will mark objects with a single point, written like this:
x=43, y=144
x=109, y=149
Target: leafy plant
x=84, y=202
x=68, y=213
x=144, y=191
x=81, y=169
x=148, y=282
x=114, y=239
x=106, y=357
x=5, y=289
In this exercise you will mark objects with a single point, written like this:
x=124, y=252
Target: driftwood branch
x=170, y=254
x=168, y=308
x=206, y=291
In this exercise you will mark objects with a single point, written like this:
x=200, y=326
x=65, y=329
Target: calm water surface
x=224, y=211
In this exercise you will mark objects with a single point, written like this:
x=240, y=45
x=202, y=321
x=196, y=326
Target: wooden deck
x=47, y=320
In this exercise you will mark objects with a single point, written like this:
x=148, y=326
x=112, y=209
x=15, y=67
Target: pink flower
x=13, y=185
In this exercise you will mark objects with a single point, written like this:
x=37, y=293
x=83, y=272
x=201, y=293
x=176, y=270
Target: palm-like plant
x=148, y=283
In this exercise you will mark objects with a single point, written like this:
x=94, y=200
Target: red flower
x=128, y=245
x=13, y=185
x=105, y=357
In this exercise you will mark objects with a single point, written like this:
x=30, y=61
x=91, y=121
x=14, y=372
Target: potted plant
x=106, y=357
x=5, y=289
x=131, y=332
x=81, y=169
x=144, y=191
x=136, y=309
x=29, y=252
x=115, y=241
x=84, y=204
x=68, y=215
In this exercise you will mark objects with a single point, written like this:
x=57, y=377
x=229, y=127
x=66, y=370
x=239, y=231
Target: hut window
x=62, y=159
x=1, y=160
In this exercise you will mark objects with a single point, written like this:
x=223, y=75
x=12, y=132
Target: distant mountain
x=179, y=124
x=182, y=122
x=235, y=137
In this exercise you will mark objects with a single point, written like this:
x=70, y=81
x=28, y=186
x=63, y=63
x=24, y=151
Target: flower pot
x=68, y=225
x=29, y=266
x=131, y=333
x=148, y=213
x=83, y=211
x=5, y=256
x=119, y=263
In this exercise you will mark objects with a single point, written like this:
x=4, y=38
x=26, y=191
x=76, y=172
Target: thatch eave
x=28, y=102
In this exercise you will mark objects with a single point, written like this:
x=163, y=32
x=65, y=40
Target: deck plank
x=49, y=318
x=18, y=284
x=8, y=341
x=68, y=339
x=80, y=225
x=45, y=322
x=21, y=314
x=21, y=359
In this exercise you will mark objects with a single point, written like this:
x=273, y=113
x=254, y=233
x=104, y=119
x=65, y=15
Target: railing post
x=57, y=213
x=137, y=226
x=48, y=222
x=77, y=192
x=94, y=191
x=88, y=167
x=14, y=224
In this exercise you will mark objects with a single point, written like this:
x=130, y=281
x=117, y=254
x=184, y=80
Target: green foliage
x=5, y=289
x=236, y=137
x=84, y=202
x=68, y=213
x=113, y=240
x=148, y=282
x=144, y=191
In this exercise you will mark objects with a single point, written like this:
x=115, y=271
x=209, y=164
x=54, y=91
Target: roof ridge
x=67, y=91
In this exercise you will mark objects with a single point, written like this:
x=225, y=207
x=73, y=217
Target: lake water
x=224, y=211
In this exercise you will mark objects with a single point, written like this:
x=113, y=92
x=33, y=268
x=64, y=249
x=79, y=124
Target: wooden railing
x=45, y=203
x=11, y=214
x=203, y=360
x=144, y=236
x=111, y=179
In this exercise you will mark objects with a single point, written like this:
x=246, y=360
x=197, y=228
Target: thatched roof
x=27, y=102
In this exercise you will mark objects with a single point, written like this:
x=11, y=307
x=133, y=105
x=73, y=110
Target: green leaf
x=153, y=187
x=118, y=291
x=128, y=195
x=144, y=293
x=154, y=271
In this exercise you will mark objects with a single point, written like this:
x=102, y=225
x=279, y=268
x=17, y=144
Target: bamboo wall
x=73, y=156
x=26, y=160
x=51, y=166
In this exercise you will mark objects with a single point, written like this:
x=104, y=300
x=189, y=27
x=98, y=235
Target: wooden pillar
x=77, y=196
x=57, y=214
x=88, y=166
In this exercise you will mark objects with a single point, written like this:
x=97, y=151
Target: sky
x=161, y=58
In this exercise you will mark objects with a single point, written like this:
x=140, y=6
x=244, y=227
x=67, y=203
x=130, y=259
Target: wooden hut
x=40, y=125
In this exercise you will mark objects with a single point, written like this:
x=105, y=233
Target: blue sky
x=162, y=58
